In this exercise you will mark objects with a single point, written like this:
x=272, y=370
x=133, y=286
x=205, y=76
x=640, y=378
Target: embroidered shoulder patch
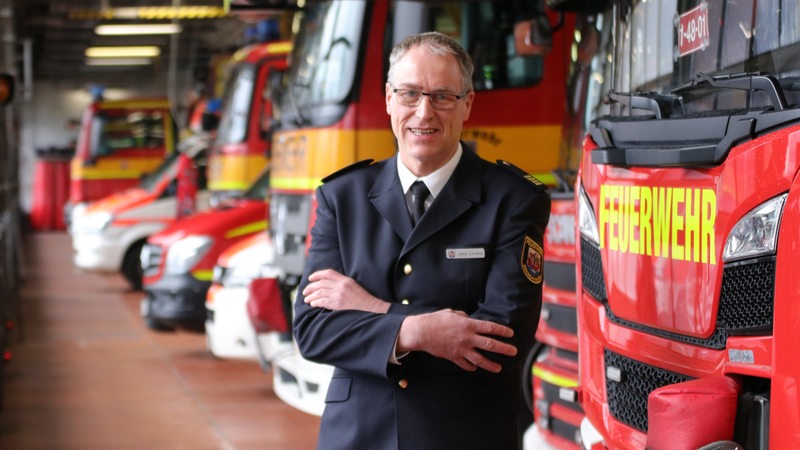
x=531, y=261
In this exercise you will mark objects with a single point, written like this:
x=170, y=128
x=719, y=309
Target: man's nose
x=425, y=108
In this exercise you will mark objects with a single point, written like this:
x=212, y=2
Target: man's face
x=427, y=137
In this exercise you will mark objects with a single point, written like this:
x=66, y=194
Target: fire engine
x=687, y=199
x=119, y=141
x=108, y=234
x=330, y=110
x=241, y=147
x=177, y=262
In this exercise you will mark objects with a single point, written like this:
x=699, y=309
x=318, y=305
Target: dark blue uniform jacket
x=478, y=249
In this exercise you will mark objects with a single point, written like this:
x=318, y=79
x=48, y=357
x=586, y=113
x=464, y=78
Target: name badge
x=465, y=253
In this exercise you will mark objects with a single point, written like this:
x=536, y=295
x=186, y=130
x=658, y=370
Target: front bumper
x=229, y=333
x=177, y=301
x=95, y=252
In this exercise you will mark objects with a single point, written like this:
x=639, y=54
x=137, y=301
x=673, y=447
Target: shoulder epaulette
x=351, y=167
x=521, y=173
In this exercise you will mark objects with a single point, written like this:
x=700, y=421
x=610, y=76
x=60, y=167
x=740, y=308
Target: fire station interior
x=80, y=369
x=121, y=330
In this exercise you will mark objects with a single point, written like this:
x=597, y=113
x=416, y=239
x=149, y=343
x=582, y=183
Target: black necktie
x=419, y=192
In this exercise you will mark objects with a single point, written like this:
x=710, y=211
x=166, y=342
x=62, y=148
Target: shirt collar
x=434, y=181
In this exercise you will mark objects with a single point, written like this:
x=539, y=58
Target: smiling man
x=423, y=282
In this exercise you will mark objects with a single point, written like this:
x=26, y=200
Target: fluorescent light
x=118, y=61
x=123, y=52
x=137, y=29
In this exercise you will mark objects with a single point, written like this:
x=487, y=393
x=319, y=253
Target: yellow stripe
x=203, y=275
x=114, y=168
x=553, y=378
x=280, y=47
x=246, y=229
x=234, y=172
x=302, y=158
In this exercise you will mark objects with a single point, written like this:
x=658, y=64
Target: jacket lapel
x=459, y=194
x=387, y=197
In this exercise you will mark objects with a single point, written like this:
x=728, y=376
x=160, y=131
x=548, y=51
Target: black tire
x=527, y=367
x=132, y=266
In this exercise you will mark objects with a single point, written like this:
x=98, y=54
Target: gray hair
x=438, y=44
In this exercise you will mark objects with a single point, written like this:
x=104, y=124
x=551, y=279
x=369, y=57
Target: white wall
x=48, y=118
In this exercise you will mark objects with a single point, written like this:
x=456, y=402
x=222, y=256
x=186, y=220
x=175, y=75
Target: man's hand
x=454, y=336
x=331, y=290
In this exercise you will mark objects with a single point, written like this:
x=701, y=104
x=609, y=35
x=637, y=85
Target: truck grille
x=745, y=304
x=559, y=275
x=594, y=281
x=150, y=258
x=561, y=318
x=747, y=296
x=627, y=397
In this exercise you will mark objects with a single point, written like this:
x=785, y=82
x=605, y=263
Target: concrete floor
x=87, y=374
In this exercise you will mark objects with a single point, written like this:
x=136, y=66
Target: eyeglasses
x=439, y=100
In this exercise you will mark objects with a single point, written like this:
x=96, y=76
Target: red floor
x=87, y=374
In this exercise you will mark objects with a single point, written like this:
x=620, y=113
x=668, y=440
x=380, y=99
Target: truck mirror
x=533, y=37
x=6, y=89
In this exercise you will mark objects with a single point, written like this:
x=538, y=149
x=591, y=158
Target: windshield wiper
x=662, y=106
x=748, y=81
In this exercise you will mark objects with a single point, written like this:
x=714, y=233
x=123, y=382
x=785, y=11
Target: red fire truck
x=119, y=141
x=687, y=200
x=240, y=149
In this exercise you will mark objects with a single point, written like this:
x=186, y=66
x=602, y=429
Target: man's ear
x=388, y=98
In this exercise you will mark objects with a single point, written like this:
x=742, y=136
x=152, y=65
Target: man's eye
x=440, y=97
x=411, y=94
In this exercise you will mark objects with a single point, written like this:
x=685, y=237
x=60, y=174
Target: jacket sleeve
x=353, y=340
x=513, y=290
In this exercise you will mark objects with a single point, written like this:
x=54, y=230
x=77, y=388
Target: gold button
x=405, y=301
x=403, y=383
x=407, y=269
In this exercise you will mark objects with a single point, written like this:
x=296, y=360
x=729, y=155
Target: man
x=427, y=323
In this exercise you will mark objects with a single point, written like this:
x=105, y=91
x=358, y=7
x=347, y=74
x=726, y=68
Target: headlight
x=756, y=233
x=97, y=222
x=587, y=224
x=184, y=254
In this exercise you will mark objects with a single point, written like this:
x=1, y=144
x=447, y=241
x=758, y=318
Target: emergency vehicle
x=688, y=204
x=177, y=262
x=230, y=331
x=241, y=147
x=331, y=108
x=555, y=384
x=119, y=142
x=108, y=234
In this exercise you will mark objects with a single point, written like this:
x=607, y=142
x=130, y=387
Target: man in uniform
x=424, y=298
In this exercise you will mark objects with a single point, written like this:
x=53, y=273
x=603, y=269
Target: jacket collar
x=458, y=195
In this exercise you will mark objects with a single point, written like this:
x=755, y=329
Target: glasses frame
x=430, y=95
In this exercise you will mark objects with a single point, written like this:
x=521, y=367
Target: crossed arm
x=447, y=333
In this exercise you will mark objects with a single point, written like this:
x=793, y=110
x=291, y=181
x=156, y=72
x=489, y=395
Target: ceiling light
x=152, y=13
x=118, y=61
x=137, y=29
x=123, y=52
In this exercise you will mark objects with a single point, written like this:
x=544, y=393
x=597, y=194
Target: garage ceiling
x=57, y=32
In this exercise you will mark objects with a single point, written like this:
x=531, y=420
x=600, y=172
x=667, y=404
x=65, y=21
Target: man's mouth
x=421, y=132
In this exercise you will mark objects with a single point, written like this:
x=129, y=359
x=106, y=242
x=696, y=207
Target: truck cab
x=688, y=203
x=119, y=142
x=240, y=151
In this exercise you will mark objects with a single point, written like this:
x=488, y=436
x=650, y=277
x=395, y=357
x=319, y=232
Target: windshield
x=663, y=46
x=149, y=181
x=236, y=105
x=258, y=190
x=122, y=130
x=325, y=56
